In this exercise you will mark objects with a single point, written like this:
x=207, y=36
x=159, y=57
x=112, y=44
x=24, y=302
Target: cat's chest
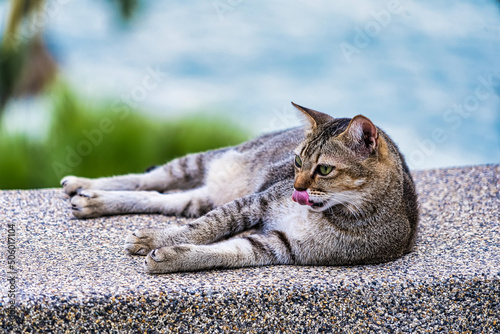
x=291, y=218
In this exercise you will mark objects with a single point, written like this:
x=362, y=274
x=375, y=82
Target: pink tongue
x=301, y=197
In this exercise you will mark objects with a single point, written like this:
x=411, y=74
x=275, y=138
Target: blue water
x=427, y=72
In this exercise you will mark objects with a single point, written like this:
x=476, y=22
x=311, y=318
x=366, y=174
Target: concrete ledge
x=72, y=275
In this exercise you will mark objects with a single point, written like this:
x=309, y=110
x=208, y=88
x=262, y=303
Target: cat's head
x=339, y=162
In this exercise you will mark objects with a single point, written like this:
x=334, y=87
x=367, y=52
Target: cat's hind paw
x=73, y=185
x=87, y=204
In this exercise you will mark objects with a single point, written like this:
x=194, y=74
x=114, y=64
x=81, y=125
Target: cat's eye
x=325, y=170
x=298, y=162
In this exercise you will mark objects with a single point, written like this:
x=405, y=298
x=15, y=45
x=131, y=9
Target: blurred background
x=96, y=88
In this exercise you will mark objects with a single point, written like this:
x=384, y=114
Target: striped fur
x=365, y=209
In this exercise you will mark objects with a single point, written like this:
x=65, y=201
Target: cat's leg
x=180, y=174
x=250, y=251
x=225, y=221
x=96, y=203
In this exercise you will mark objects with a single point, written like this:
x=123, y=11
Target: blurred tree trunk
x=38, y=71
x=26, y=66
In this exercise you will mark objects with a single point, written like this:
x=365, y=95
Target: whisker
x=351, y=202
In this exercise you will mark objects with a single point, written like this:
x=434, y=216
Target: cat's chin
x=319, y=207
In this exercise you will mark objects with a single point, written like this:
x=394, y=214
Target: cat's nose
x=302, y=183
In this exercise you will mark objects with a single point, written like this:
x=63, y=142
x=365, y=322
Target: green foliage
x=94, y=140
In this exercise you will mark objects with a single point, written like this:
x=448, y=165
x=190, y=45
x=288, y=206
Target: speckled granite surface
x=73, y=277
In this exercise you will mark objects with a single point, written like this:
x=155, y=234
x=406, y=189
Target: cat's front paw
x=168, y=260
x=142, y=242
x=87, y=204
x=72, y=185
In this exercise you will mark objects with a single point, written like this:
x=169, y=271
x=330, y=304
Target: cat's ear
x=314, y=117
x=361, y=135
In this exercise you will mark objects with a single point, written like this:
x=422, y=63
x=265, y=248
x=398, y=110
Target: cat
x=335, y=192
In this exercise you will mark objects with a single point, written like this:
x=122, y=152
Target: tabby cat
x=338, y=193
